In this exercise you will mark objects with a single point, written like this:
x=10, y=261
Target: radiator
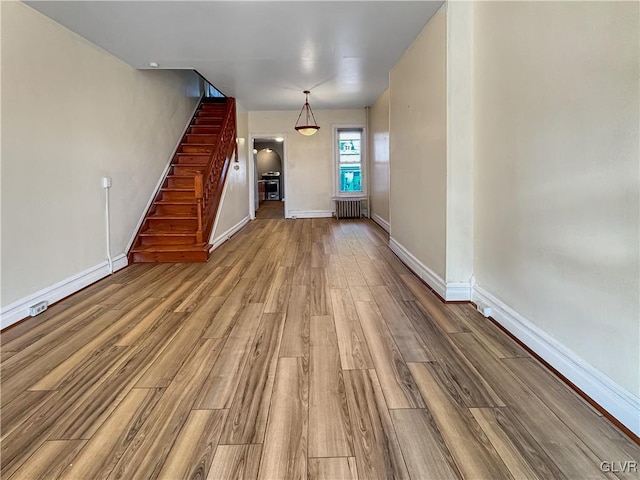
x=348, y=208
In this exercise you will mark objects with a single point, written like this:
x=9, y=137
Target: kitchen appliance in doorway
x=269, y=165
x=272, y=185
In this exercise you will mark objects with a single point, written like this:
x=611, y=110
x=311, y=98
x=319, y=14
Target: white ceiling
x=264, y=53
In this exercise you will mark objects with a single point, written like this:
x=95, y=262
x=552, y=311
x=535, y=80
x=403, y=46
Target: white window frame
x=363, y=162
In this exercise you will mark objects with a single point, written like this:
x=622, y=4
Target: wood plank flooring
x=302, y=349
x=270, y=209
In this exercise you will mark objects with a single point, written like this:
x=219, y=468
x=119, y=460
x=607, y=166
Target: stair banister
x=218, y=167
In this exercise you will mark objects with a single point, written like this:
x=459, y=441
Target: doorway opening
x=269, y=177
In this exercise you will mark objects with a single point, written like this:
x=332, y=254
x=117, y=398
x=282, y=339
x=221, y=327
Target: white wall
x=557, y=177
x=379, y=158
x=309, y=175
x=418, y=147
x=234, y=209
x=73, y=113
x=459, y=241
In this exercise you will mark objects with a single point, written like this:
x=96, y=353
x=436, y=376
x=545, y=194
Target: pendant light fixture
x=308, y=127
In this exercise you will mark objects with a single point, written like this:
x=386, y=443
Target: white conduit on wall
x=106, y=184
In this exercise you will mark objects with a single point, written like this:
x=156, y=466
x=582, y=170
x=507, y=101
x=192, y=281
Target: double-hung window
x=350, y=162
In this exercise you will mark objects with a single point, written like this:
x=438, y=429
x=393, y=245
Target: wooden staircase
x=178, y=224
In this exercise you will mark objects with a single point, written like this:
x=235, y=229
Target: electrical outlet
x=38, y=308
x=485, y=311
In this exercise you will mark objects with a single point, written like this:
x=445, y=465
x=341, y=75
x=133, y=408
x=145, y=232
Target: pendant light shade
x=309, y=125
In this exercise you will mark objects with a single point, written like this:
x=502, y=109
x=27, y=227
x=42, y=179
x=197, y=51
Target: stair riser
x=210, y=115
x=170, y=257
x=185, y=148
x=184, y=210
x=219, y=107
x=172, y=225
x=180, y=182
x=191, y=159
x=210, y=121
x=191, y=195
x=204, y=138
x=209, y=107
x=208, y=130
x=186, y=170
x=161, y=240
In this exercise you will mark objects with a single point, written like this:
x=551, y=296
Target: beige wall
x=459, y=242
x=418, y=146
x=268, y=161
x=235, y=205
x=309, y=162
x=379, y=156
x=557, y=178
x=73, y=113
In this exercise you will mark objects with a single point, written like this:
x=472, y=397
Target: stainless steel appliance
x=271, y=185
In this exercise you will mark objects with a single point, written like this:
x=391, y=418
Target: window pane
x=349, y=143
x=350, y=176
x=350, y=161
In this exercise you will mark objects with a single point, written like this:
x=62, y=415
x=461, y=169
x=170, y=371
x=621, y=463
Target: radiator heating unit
x=348, y=208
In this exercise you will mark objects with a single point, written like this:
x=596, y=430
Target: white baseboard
x=310, y=213
x=420, y=269
x=451, y=292
x=223, y=237
x=381, y=221
x=458, y=292
x=20, y=309
x=616, y=400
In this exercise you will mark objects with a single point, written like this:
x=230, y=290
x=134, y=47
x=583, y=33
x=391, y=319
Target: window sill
x=347, y=196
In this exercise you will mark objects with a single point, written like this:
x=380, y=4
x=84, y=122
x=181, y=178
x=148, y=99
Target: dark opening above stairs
x=178, y=224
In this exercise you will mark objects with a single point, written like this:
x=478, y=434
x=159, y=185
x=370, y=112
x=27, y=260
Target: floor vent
x=348, y=208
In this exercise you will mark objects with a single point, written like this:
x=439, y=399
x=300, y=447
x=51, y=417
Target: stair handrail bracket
x=217, y=168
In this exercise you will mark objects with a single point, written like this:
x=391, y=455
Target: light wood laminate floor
x=302, y=349
x=273, y=209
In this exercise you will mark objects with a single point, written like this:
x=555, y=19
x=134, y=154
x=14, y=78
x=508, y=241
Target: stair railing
x=212, y=182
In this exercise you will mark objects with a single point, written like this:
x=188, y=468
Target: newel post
x=199, y=196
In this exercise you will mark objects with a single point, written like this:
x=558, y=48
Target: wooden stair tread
x=166, y=233
x=193, y=166
x=201, y=247
x=186, y=201
x=173, y=217
x=178, y=189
